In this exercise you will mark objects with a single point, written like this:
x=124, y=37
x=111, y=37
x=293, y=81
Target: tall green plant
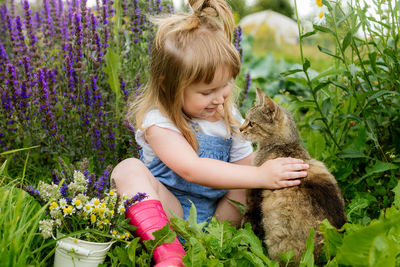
x=352, y=119
x=20, y=243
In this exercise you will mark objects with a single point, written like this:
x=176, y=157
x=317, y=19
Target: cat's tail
x=325, y=195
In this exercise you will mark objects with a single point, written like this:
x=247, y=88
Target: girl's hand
x=282, y=172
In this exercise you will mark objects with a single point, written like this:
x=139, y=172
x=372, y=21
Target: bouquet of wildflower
x=79, y=201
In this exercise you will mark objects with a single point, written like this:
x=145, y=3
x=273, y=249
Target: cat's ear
x=260, y=96
x=271, y=106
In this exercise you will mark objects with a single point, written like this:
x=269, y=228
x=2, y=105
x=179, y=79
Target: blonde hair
x=188, y=48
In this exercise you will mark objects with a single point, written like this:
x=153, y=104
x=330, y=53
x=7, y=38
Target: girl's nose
x=219, y=99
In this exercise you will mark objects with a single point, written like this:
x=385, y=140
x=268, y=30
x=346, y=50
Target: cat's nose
x=241, y=128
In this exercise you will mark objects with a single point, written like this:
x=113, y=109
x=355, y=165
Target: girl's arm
x=173, y=149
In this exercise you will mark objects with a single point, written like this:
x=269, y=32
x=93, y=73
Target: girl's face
x=202, y=101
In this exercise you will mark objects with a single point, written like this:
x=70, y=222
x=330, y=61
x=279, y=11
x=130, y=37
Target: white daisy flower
x=77, y=203
x=68, y=210
x=114, y=232
x=88, y=208
x=96, y=202
x=63, y=203
x=54, y=205
x=125, y=197
x=320, y=19
x=121, y=209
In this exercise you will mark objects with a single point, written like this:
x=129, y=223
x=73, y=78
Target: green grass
x=21, y=244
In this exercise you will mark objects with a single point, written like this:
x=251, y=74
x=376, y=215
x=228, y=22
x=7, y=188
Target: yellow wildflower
x=92, y=218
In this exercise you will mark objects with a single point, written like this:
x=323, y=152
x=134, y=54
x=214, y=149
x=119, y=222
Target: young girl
x=188, y=130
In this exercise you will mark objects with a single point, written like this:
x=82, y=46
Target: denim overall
x=204, y=198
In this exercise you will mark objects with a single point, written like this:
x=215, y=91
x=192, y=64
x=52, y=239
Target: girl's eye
x=206, y=93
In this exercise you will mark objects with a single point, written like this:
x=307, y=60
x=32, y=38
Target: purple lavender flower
x=78, y=37
x=136, y=198
x=33, y=192
x=3, y=22
x=237, y=38
x=28, y=25
x=63, y=189
x=20, y=37
x=246, y=88
x=101, y=185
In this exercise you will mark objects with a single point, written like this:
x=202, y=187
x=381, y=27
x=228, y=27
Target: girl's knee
x=126, y=169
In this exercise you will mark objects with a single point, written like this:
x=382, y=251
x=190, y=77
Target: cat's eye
x=251, y=124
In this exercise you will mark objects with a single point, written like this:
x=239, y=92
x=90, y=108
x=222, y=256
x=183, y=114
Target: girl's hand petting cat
x=283, y=172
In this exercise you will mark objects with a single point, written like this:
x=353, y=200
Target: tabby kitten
x=288, y=214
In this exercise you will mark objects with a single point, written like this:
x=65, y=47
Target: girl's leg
x=228, y=211
x=130, y=177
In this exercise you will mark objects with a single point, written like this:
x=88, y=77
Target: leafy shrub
x=351, y=116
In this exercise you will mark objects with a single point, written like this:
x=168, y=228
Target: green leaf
x=327, y=4
x=16, y=150
x=396, y=191
x=306, y=65
x=308, y=256
x=180, y=227
x=315, y=126
x=326, y=106
x=332, y=239
x=384, y=252
x=378, y=167
x=122, y=256
x=344, y=18
x=221, y=231
x=358, y=246
x=253, y=259
x=328, y=52
x=296, y=80
x=315, y=143
x=131, y=250
x=196, y=228
x=289, y=72
x=340, y=85
x=3, y=167
x=351, y=153
x=242, y=208
x=330, y=71
x=112, y=69
x=347, y=40
x=372, y=60
x=287, y=256
x=163, y=235
x=323, y=29
x=247, y=235
x=380, y=22
x=307, y=34
x=196, y=254
x=381, y=93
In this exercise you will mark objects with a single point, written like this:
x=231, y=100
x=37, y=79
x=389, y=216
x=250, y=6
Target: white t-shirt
x=240, y=148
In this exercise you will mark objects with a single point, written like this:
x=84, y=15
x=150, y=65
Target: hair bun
x=203, y=7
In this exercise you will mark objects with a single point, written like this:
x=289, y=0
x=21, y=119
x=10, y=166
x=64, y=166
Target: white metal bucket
x=73, y=252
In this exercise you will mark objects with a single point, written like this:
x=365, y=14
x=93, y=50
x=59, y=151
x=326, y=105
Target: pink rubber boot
x=149, y=216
